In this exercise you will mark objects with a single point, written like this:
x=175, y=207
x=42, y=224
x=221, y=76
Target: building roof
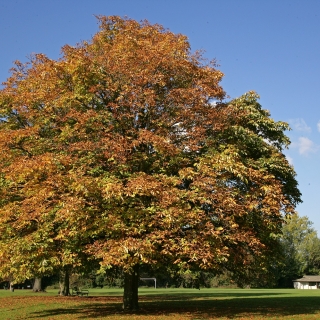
x=309, y=279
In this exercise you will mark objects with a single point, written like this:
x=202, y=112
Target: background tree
x=301, y=250
x=117, y=153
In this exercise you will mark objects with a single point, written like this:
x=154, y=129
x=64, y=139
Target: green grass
x=165, y=304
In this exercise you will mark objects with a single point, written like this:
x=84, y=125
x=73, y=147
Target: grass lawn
x=165, y=304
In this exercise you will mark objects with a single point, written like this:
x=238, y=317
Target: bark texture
x=65, y=283
x=130, y=294
x=37, y=285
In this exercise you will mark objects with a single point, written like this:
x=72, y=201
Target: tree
x=300, y=249
x=123, y=152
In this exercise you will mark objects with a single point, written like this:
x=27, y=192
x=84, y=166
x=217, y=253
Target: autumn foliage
x=124, y=152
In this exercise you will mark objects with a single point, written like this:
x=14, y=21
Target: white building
x=307, y=282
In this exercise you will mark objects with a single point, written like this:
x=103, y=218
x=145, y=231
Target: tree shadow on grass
x=203, y=294
x=195, y=306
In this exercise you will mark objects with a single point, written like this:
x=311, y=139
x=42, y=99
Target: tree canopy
x=125, y=152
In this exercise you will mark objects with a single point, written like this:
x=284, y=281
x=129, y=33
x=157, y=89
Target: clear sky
x=270, y=46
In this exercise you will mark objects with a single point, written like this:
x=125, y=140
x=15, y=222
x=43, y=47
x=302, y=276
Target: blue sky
x=270, y=46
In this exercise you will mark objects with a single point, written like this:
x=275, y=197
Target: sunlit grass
x=165, y=304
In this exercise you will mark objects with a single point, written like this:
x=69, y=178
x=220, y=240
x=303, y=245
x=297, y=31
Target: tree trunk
x=130, y=294
x=37, y=285
x=64, y=283
x=11, y=287
x=67, y=283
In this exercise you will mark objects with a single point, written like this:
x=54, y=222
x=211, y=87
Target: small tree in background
x=300, y=247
